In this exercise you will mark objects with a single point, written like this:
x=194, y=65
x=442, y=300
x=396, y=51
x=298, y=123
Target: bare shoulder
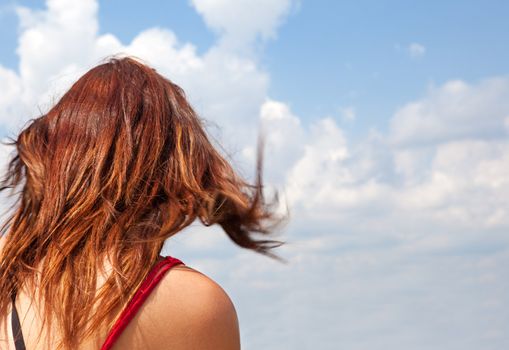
x=200, y=312
x=2, y=243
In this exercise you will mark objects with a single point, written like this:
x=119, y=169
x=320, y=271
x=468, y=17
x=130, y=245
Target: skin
x=186, y=311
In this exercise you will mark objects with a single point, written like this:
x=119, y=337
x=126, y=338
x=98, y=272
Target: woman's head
x=118, y=165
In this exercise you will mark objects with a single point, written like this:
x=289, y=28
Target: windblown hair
x=118, y=165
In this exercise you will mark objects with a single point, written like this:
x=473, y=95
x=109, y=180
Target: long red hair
x=118, y=165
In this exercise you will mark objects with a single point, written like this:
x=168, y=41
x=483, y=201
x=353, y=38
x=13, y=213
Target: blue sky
x=388, y=126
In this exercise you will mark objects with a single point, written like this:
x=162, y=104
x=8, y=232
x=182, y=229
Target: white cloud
x=348, y=113
x=416, y=50
x=414, y=177
x=48, y=44
x=241, y=22
x=506, y=124
x=454, y=110
x=399, y=215
x=283, y=145
x=10, y=107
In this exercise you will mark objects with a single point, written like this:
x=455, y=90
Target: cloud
x=285, y=134
x=348, y=113
x=240, y=23
x=416, y=50
x=47, y=45
x=454, y=110
x=450, y=176
x=410, y=235
x=10, y=106
x=422, y=222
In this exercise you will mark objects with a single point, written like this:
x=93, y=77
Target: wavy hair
x=118, y=165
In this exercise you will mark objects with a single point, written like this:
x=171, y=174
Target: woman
x=117, y=166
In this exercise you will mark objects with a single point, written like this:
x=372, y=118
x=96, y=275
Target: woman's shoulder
x=184, y=283
x=194, y=311
x=195, y=293
x=2, y=243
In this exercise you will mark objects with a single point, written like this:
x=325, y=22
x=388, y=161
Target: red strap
x=154, y=276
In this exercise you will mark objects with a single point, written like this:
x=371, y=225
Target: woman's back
x=176, y=307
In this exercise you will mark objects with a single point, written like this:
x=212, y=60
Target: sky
x=387, y=124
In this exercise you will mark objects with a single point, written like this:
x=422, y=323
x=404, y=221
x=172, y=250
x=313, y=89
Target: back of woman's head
x=118, y=165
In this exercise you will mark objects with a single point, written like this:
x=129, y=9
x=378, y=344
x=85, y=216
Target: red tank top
x=148, y=284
